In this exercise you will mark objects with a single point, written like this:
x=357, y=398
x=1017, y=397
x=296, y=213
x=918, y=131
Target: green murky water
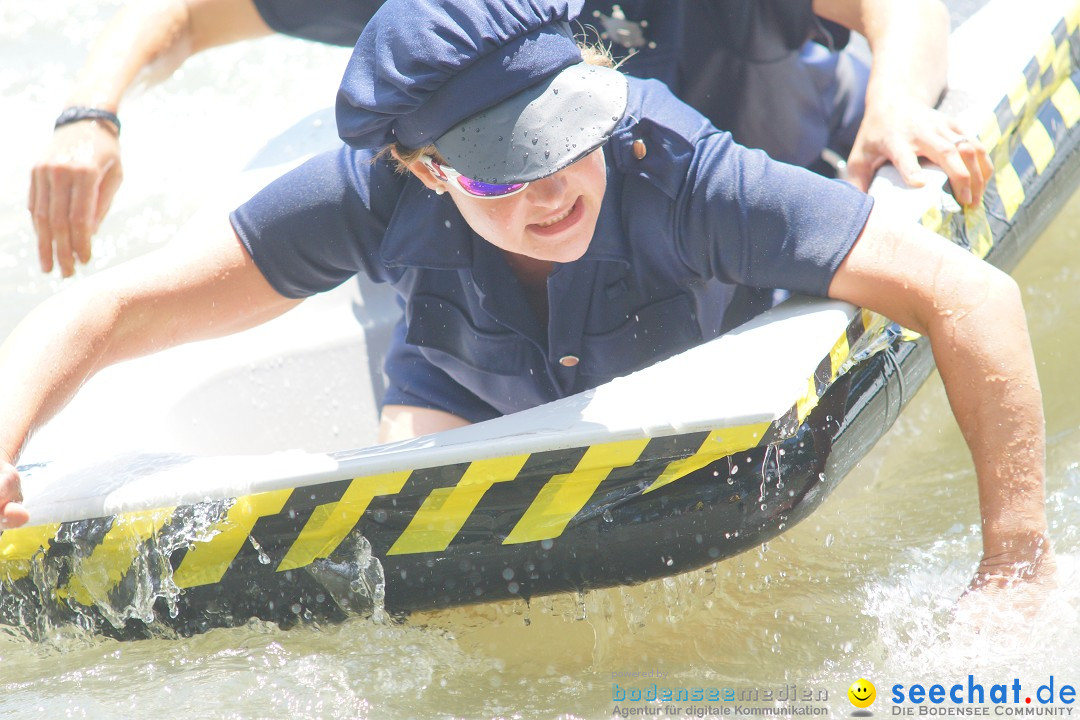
x=864, y=588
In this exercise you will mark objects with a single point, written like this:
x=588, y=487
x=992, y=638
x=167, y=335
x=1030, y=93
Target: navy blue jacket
x=681, y=232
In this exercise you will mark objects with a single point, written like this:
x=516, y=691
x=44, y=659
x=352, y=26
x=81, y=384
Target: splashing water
x=866, y=587
x=71, y=585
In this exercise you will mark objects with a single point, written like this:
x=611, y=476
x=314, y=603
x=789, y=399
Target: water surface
x=864, y=588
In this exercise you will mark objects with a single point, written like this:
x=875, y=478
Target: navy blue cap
x=498, y=86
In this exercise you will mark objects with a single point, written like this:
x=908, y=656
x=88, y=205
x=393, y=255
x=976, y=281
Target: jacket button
x=639, y=149
x=569, y=360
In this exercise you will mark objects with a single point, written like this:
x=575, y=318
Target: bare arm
x=72, y=187
x=909, y=40
x=195, y=288
x=147, y=41
x=404, y=422
x=974, y=318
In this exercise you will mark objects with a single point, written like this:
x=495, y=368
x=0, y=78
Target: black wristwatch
x=79, y=113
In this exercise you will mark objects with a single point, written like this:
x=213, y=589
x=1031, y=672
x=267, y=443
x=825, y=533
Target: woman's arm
x=72, y=187
x=195, y=288
x=974, y=318
x=909, y=40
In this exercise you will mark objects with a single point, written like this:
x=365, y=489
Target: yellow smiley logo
x=862, y=693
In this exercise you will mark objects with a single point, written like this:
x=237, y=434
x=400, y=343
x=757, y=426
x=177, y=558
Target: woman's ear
x=426, y=175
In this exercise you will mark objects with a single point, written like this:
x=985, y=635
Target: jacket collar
x=426, y=231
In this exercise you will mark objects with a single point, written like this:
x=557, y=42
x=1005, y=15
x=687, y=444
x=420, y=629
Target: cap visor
x=540, y=130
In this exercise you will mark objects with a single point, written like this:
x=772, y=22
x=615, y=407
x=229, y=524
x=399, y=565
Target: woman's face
x=552, y=219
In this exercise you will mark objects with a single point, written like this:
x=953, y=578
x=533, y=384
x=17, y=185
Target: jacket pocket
x=439, y=324
x=651, y=333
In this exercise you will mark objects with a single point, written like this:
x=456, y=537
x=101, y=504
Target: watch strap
x=79, y=113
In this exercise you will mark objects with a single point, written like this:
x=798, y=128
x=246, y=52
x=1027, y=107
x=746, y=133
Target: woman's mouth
x=552, y=221
x=560, y=222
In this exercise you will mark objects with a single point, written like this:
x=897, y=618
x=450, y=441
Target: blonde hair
x=403, y=157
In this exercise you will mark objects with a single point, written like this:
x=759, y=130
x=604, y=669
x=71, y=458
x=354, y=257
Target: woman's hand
x=1009, y=591
x=12, y=512
x=1026, y=561
x=901, y=132
x=71, y=189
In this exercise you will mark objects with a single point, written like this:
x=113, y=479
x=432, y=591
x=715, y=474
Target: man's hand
x=902, y=132
x=72, y=189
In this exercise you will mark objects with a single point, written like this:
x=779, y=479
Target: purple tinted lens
x=483, y=189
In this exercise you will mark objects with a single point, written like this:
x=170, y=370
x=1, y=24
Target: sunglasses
x=472, y=188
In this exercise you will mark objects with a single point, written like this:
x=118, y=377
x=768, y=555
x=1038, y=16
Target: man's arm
x=975, y=320
x=72, y=187
x=194, y=288
x=909, y=40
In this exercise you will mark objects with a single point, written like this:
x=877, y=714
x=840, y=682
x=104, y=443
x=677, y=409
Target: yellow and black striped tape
x=551, y=488
x=1022, y=135
x=564, y=483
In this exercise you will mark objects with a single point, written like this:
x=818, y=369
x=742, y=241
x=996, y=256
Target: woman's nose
x=548, y=191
